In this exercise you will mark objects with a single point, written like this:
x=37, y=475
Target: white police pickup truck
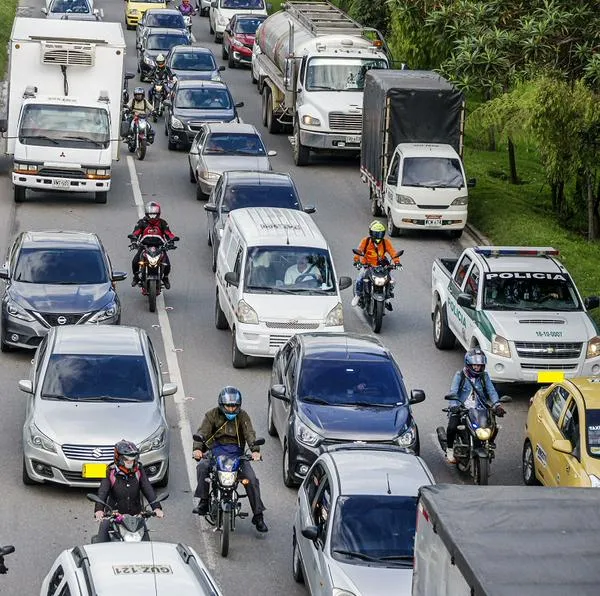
x=520, y=306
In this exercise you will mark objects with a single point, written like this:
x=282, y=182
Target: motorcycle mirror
x=161, y=497
x=344, y=282
x=450, y=397
x=129, y=75
x=221, y=68
x=258, y=442
x=7, y=550
x=399, y=253
x=357, y=252
x=96, y=499
x=506, y=399
x=198, y=438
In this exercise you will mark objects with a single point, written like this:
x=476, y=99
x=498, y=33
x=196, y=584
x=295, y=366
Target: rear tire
x=225, y=529
x=101, y=197
x=529, y=477
x=20, y=194
x=238, y=359
x=443, y=338
x=220, y=319
x=152, y=292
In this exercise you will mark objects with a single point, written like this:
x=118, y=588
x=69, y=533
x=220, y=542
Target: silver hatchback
x=89, y=387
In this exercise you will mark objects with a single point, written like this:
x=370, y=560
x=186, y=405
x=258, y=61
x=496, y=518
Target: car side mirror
x=416, y=396
x=129, y=75
x=393, y=180
x=240, y=104
x=198, y=438
x=4, y=273
x=168, y=389
x=44, y=10
x=232, y=278
x=590, y=302
x=344, y=282
x=310, y=533
x=258, y=442
x=278, y=392
x=26, y=386
x=271, y=153
x=118, y=276
x=310, y=209
x=505, y=399
x=471, y=182
x=465, y=300
x=221, y=68
x=562, y=446
x=211, y=207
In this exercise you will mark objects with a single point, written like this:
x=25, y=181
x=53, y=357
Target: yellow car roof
x=589, y=388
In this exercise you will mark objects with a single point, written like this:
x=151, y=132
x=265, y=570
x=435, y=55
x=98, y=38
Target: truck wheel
x=272, y=125
x=392, y=229
x=266, y=98
x=238, y=359
x=301, y=153
x=101, y=197
x=220, y=319
x=20, y=193
x=376, y=209
x=443, y=338
x=210, y=27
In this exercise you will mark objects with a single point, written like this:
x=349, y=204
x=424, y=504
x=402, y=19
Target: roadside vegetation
x=8, y=9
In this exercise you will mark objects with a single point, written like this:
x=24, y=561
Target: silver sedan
x=219, y=147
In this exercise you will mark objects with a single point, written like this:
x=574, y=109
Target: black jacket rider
x=125, y=495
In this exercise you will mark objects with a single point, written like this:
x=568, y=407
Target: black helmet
x=475, y=357
x=152, y=210
x=126, y=449
x=230, y=396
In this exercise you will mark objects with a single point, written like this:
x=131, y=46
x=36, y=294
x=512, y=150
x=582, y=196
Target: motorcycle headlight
x=155, y=441
x=246, y=314
x=153, y=261
x=483, y=434
x=408, y=437
x=158, y=88
x=237, y=43
x=593, y=347
x=176, y=123
x=500, y=346
x=226, y=478
x=130, y=536
x=108, y=312
x=40, y=440
x=594, y=481
x=305, y=435
x=460, y=201
x=310, y=120
x=404, y=200
x=16, y=311
x=335, y=317
x=148, y=61
x=379, y=281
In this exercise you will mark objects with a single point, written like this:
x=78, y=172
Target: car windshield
x=251, y=4
x=91, y=377
x=339, y=74
x=433, y=172
x=592, y=419
x=351, y=382
x=248, y=26
x=509, y=290
x=204, y=98
x=260, y=195
x=147, y=1
x=289, y=270
x=374, y=528
x=70, y=6
x=228, y=143
x=165, y=41
x=67, y=125
x=60, y=266
x=166, y=20
x=201, y=61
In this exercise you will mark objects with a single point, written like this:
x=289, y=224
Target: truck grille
x=341, y=121
x=89, y=453
x=536, y=349
x=60, y=173
x=290, y=325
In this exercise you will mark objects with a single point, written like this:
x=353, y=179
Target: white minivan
x=274, y=278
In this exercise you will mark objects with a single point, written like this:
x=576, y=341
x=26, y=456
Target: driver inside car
x=302, y=271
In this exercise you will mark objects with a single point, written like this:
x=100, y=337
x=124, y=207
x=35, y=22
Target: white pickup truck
x=520, y=306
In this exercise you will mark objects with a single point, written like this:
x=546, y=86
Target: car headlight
x=483, y=434
x=460, y=201
x=246, y=314
x=593, y=347
x=40, y=440
x=379, y=280
x=310, y=120
x=209, y=175
x=134, y=11
x=335, y=317
x=215, y=76
x=404, y=200
x=25, y=168
x=237, y=43
x=176, y=123
x=500, y=346
x=305, y=435
x=148, y=61
x=155, y=441
x=226, y=478
x=222, y=20
x=108, y=312
x=18, y=312
x=408, y=437
x=594, y=481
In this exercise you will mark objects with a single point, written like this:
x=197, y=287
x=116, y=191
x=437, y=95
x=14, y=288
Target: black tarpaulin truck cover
x=520, y=541
x=412, y=106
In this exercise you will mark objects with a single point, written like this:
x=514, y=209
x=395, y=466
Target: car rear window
x=260, y=195
x=99, y=378
x=193, y=61
x=168, y=21
x=229, y=143
x=165, y=41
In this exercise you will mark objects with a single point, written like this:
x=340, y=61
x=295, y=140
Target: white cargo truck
x=64, y=105
x=311, y=60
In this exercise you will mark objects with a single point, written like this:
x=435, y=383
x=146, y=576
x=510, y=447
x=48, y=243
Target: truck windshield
x=529, y=291
x=432, y=172
x=339, y=74
x=69, y=125
x=289, y=270
x=238, y=4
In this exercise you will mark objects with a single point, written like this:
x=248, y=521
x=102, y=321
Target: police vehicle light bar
x=516, y=251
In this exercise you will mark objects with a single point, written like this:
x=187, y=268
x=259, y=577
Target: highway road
x=42, y=520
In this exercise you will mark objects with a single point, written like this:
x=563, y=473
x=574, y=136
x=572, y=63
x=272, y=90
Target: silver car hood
x=222, y=163
x=372, y=581
x=96, y=423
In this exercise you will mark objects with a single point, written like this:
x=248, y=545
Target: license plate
x=94, y=470
x=61, y=183
x=433, y=221
x=355, y=139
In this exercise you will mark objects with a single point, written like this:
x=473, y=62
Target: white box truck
x=64, y=105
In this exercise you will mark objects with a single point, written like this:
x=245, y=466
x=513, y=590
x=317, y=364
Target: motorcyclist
x=375, y=246
x=473, y=389
x=161, y=74
x=151, y=225
x=227, y=429
x=186, y=8
x=139, y=105
x=125, y=483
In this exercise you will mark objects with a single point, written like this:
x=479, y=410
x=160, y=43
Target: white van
x=274, y=278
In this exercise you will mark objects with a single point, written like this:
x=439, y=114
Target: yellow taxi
x=562, y=442
x=135, y=9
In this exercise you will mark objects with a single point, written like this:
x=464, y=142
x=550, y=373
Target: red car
x=238, y=38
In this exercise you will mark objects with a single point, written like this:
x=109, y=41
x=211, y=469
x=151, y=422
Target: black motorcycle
x=125, y=527
x=152, y=260
x=159, y=91
x=474, y=448
x=224, y=504
x=5, y=550
x=378, y=289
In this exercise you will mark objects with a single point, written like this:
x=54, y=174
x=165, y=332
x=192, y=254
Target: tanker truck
x=310, y=62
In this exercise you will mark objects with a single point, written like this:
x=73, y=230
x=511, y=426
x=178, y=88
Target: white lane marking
x=185, y=428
